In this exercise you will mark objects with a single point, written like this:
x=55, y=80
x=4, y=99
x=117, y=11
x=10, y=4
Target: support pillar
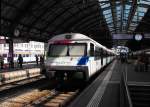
x=11, y=53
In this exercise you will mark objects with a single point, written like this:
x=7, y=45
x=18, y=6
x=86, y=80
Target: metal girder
x=21, y=24
x=80, y=11
x=39, y=18
x=88, y=23
x=21, y=14
x=132, y=12
x=113, y=11
x=64, y=11
x=91, y=30
x=122, y=14
x=91, y=26
x=84, y=20
x=10, y=5
x=71, y=26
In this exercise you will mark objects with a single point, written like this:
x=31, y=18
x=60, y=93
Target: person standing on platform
x=1, y=61
x=20, y=60
x=141, y=63
x=9, y=61
x=146, y=62
x=41, y=60
x=37, y=60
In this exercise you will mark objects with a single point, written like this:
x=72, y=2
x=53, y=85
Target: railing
x=125, y=99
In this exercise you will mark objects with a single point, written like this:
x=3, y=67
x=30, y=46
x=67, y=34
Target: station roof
x=39, y=20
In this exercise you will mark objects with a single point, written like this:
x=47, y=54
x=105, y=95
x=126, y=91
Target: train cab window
x=91, y=49
x=57, y=50
x=77, y=49
x=74, y=49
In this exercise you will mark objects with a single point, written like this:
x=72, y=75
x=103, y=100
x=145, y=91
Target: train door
x=92, y=62
x=101, y=57
x=97, y=58
x=104, y=57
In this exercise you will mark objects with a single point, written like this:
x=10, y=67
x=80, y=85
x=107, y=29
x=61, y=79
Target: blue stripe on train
x=83, y=60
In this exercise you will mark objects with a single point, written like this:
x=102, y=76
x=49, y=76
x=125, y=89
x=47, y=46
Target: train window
x=57, y=50
x=91, y=49
x=4, y=55
x=97, y=51
x=23, y=55
x=101, y=52
x=27, y=55
x=104, y=53
x=75, y=49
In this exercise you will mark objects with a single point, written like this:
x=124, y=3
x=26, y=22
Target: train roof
x=76, y=36
x=73, y=36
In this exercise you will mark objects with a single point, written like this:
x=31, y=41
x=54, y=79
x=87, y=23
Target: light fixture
x=16, y=32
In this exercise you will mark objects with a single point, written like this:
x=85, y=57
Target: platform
x=136, y=76
x=105, y=90
x=24, y=66
x=10, y=75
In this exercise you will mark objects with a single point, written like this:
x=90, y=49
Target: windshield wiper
x=68, y=51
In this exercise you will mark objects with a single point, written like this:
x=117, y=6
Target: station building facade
x=27, y=50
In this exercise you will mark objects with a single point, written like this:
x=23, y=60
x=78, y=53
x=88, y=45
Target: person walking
x=20, y=60
x=37, y=60
x=1, y=61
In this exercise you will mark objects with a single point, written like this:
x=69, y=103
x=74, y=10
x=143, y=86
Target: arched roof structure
x=39, y=20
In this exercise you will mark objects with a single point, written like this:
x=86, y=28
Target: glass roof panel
x=106, y=5
x=108, y=19
x=107, y=12
x=141, y=14
x=118, y=8
x=108, y=15
x=116, y=11
x=126, y=11
x=142, y=9
x=127, y=7
x=144, y=2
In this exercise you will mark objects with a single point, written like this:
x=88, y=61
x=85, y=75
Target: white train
x=75, y=55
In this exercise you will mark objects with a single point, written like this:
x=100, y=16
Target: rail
x=125, y=99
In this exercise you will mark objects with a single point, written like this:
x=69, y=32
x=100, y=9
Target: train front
x=67, y=59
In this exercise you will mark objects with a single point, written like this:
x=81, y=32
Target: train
x=28, y=58
x=72, y=55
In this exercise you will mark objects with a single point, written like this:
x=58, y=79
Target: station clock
x=138, y=37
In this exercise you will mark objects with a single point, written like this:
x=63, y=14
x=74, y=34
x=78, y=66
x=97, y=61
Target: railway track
x=21, y=82
x=56, y=97
x=41, y=98
x=13, y=90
